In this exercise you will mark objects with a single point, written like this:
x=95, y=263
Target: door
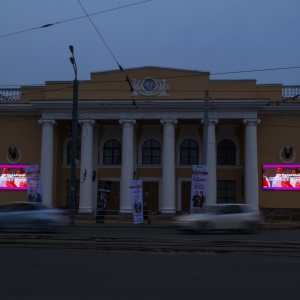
x=150, y=195
x=113, y=202
x=185, y=196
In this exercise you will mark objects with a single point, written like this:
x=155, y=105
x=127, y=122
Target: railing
x=118, y=216
x=290, y=91
x=11, y=95
x=280, y=215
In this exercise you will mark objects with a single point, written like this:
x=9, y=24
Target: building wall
x=230, y=102
x=24, y=133
x=274, y=133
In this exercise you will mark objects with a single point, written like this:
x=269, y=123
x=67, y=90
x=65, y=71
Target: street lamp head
x=71, y=48
x=72, y=60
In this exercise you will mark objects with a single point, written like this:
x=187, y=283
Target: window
x=69, y=151
x=151, y=153
x=189, y=152
x=112, y=152
x=226, y=153
x=226, y=191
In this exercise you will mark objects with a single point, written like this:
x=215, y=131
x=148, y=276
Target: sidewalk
x=170, y=224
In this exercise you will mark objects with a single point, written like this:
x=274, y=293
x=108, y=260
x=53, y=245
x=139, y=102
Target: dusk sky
x=216, y=36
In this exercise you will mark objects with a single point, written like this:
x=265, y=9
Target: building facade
x=153, y=124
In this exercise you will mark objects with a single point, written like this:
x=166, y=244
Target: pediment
x=150, y=82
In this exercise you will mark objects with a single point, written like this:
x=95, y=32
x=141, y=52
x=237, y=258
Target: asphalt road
x=63, y=274
x=158, y=239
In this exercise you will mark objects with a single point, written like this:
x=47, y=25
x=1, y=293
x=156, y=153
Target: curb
x=169, y=225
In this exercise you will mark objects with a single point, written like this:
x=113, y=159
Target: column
x=86, y=167
x=251, y=169
x=211, y=161
x=127, y=163
x=95, y=164
x=46, y=168
x=168, y=204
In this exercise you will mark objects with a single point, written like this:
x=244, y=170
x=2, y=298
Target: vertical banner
x=34, y=187
x=198, y=188
x=104, y=188
x=135, y=187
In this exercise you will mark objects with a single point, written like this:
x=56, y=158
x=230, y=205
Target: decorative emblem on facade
x=149, y=87
x=13, y=155
x=287, y=154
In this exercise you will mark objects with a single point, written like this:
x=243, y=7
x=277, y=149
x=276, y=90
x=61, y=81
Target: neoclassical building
x=153, y=124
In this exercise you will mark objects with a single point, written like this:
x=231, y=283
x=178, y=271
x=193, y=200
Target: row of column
x=168, y=203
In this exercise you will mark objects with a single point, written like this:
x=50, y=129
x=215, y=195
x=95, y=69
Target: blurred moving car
x=31, y=215
x=222, y=217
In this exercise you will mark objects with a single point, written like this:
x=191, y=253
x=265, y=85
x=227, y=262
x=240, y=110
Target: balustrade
x=292, y=91
x=10, y=95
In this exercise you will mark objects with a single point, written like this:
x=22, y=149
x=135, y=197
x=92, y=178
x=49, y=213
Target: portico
x=154, y=133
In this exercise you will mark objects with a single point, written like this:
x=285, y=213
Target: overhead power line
x=99, y=33
x=255, y=70
x=178, y=76
x=110, y=51
x=73, y=19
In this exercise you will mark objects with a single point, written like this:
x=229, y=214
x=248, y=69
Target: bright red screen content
x=281, y=177
x=13, y=177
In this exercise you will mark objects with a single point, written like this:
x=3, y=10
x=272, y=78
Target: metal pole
x=74, y=140
x=206, y=119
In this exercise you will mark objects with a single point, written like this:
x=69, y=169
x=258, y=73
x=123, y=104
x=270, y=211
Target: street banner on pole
x=104, y=187
x=198, y=188
x=34, y=183
x=135, y=187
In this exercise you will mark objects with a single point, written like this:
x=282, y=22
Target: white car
x=222, y=217
x=31, y=215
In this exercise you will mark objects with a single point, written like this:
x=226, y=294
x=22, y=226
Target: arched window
x=226, y=153
x=69, y=151
x=151, y=153
x=112, y=152
x=189, y=152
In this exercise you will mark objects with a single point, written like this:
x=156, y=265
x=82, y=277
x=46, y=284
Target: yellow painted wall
x=274, y=133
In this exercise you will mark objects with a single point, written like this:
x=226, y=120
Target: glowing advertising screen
x=13, y=177
x=281, y=177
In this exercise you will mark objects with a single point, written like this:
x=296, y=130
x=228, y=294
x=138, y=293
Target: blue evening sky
x=217, y=36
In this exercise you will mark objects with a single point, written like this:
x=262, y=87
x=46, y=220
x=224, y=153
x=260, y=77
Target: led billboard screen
x=281, y=177
x=13, y=177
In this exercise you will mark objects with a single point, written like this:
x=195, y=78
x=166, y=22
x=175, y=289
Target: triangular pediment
x=149, y=82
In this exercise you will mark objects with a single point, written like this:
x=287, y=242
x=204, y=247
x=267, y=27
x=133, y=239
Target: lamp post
x=74, y=139
x=206, y=119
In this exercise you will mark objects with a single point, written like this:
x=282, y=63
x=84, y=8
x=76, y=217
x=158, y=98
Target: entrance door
x=114, y=196
x=185, y=196
x=150, y=194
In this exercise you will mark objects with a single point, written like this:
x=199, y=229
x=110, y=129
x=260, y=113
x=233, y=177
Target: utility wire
x=108, y=48
x=185, y=76
x=99, y=33
x=106, y=45
x=69, y=88
x=73, y=19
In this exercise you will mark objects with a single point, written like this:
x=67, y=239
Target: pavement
x=168, y=223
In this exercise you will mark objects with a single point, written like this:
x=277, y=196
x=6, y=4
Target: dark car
x=31, y=215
